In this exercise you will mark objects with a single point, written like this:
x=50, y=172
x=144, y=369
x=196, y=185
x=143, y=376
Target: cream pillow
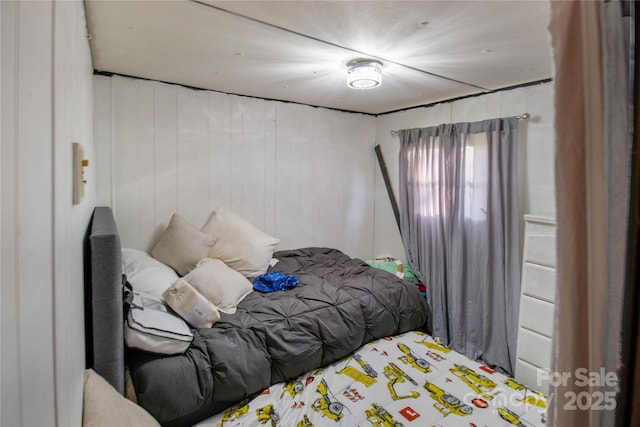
x=103, y=406
x=146, y=274
x=182, y=246
x=221, y=285
x=241, y=245
x=191, y=305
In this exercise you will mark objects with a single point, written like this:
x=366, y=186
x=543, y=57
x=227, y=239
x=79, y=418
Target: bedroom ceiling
x=298, y=50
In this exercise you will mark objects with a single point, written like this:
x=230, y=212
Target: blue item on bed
x=274, y=281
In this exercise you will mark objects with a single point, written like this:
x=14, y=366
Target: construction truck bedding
x=405, y=380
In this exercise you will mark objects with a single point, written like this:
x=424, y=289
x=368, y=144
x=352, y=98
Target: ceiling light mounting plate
x=364, y=73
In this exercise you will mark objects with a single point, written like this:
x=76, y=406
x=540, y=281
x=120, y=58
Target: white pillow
x=146, y=274
x=241, y=245
x=191, y=305
x=182, y=246
x=221, y=285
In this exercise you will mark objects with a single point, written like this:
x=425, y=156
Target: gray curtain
x=459, y=219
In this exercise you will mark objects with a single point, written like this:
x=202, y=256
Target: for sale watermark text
x=590, y=399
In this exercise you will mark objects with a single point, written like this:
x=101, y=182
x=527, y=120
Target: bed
x=344, y=347
x=405, y=380
x=339, y=305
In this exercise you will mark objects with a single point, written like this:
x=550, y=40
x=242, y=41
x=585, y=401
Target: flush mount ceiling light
x=364, y=73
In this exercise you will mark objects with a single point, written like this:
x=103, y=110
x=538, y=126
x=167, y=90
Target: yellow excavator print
x=379, y=417
x=511, y=417
x=510, y=382
x=411, y=359
x=266, y=414
x=368, y=369
x=447, y=403
x=304, y=422
x=356, y=375
x=236, y=411
x=534, y=398
x=437, y=345
x=330, y=409
x=478, y=383
x=368, y=377
x=294, y=388
x=396, y=375
x=534, y=401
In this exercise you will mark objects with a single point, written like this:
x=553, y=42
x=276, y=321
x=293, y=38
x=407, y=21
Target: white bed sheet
x=406, y=380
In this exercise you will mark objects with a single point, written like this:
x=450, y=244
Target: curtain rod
x=524, y=116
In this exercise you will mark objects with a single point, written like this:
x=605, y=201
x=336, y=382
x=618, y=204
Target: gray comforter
x=340, y=304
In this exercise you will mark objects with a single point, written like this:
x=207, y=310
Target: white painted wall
x=73, y=122
x=46, y=105
x=536, y=143
x=302, y=174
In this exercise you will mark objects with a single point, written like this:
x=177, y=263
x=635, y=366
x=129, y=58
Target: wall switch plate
x=79, y=163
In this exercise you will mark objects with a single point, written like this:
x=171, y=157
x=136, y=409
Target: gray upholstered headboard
x=104, y=322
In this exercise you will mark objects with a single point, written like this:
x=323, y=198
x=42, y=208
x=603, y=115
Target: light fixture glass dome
x=364, y=74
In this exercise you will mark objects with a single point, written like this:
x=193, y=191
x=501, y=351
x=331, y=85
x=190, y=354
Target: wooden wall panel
x=327, y=175
x=302, y=174
x=126, y=180
x=235, y=155
x=192, y=155
x=219, y=142
x=27, y=231
x=357, y=196
x=165, y=159
x=46, y=80
x=253, y=162
x=146, y=162
x=308, y=188
x=102, y=139
x=270, y=160
x=287, y=179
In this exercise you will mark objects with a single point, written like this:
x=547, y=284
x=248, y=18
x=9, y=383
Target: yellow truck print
x=379, y=417
x=331, y=409
x=411, y=359
x=447, y=403
x=396, y=375
x=477, y=382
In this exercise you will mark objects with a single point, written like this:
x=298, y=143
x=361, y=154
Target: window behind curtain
x=428, y=178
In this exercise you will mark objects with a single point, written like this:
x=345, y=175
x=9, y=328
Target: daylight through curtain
x=460, y=229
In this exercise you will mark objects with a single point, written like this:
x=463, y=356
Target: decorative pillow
x=191, y=305
x=146, y=274
x=241, y=245
x=103, y=406
x=221, y=285
x=182, y=246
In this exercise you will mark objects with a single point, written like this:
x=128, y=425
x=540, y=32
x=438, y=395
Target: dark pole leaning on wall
x=387, y=183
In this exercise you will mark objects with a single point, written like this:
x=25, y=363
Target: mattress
x=405, y=380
